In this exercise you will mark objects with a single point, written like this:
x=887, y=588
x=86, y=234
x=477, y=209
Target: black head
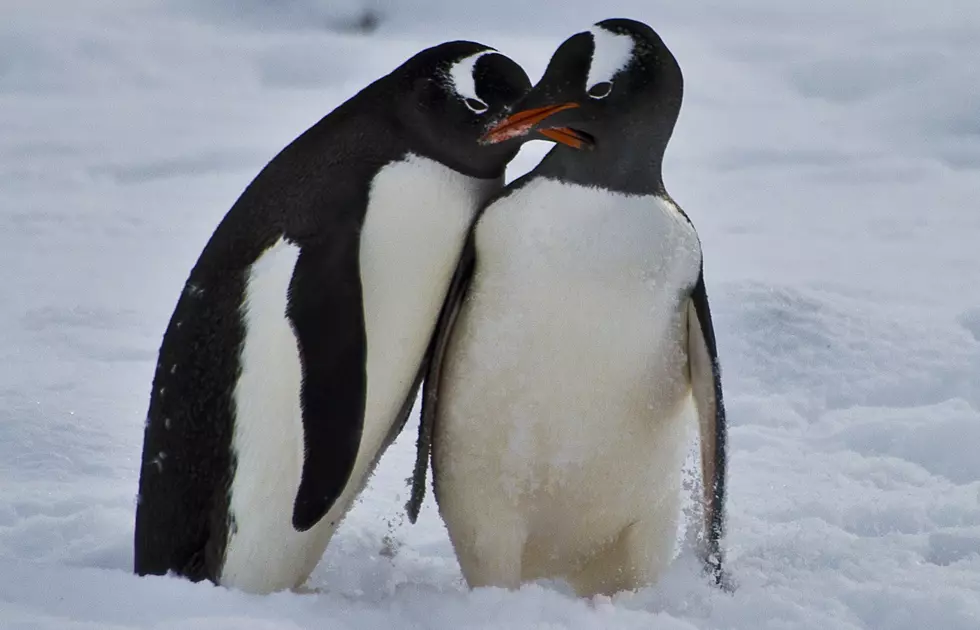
x=449, y=96
x=612, y=95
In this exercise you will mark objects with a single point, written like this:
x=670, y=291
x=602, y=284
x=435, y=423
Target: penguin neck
x=488, y=163
x=612, y=164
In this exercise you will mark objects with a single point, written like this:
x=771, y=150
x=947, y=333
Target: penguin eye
x=476, y=106
x=601, y=89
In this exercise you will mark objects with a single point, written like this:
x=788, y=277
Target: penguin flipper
x=327, y=317
x=430, y=386
x=706, y=385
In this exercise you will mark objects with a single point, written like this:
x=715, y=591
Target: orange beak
x=522, y=122
x=567, y=136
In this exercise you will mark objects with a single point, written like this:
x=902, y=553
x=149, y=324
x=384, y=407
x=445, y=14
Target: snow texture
x=829, y=154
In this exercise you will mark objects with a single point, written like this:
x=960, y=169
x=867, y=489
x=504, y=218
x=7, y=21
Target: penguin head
x=616, y=84
x=457, y=92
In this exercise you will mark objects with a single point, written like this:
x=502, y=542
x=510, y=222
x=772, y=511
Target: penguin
x=575, y=339
x=296, y=349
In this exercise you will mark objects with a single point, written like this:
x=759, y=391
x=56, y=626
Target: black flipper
x=430, y=386
x=327, y=316
x=706, y=385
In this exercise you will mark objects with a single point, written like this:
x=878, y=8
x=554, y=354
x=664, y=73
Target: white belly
x=417, y=217
x=566, y=378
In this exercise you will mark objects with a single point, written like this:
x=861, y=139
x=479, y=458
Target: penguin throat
x=615, y=163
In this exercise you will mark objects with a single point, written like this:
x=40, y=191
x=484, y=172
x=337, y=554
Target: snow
x=829, y=154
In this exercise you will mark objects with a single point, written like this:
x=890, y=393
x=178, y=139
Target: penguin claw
x=722, y=579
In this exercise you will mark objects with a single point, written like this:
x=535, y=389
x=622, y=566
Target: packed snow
x=829, y=154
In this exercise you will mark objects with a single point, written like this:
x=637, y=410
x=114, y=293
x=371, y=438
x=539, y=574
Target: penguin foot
x=303, y=589
x=721, y=579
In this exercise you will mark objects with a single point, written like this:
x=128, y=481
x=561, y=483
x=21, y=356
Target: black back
x=314, y=194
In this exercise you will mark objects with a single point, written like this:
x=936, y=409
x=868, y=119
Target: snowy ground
x=829, y=154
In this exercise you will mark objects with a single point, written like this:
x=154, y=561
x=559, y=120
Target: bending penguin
x=295, y=351
x=574, y=337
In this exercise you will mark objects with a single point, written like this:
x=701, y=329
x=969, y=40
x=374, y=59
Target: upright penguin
x=575, y=332
x=295, y=351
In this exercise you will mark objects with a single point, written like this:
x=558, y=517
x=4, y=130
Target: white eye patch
x=612, y=53
x=461, y=75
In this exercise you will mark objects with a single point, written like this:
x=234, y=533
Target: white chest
x=571, y=345
x=581, y=270
x=550, y=230
x=418, y=214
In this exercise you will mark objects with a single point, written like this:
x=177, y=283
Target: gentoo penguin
x=575, y=336
x=296, y=348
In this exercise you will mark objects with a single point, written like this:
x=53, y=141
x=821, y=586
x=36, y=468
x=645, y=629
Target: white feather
x=565, y=401
x=612, y=53
x=264, y=552
x=417, y=217
x=464, y=83
x=416, y=223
